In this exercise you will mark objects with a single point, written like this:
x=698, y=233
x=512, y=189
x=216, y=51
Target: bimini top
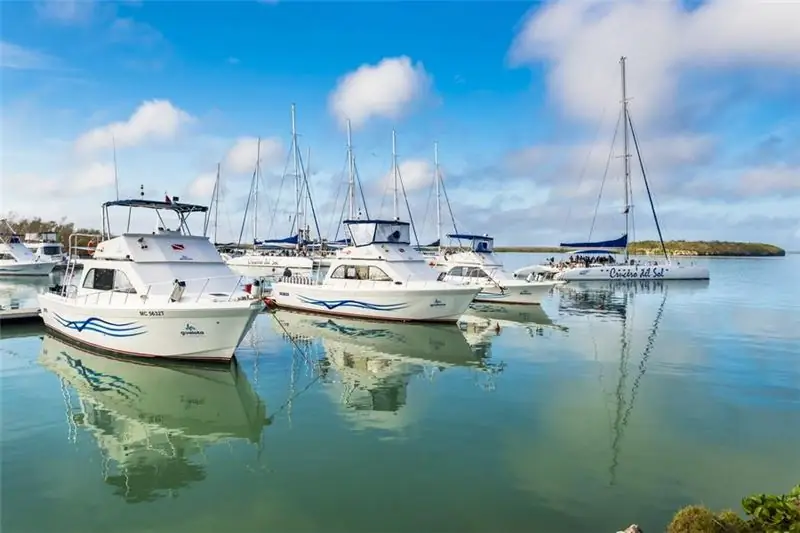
x=480, y=243
x=156, y=204
x=366, y=232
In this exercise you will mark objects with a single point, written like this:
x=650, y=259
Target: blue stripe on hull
x=98, y=325
x=335, y=304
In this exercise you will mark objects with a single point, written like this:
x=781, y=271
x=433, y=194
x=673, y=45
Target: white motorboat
x=153, y=423
x=592, y=261
x=380, y=277
x=46, y=247
x=17, y=260
x=478, y=265
x=161, y=294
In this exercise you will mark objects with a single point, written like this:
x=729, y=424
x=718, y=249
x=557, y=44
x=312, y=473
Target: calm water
x=607, y=406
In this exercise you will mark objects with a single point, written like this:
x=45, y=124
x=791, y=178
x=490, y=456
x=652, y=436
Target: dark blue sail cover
x=279, y=243
x=621, y=242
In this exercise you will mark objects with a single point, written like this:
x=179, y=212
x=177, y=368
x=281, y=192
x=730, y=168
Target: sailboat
x=272, y=258
x=609, y=268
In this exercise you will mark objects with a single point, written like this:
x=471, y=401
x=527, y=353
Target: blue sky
x=522, y=99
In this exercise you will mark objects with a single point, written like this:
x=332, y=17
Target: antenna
x=141, y=191
x=116, y=179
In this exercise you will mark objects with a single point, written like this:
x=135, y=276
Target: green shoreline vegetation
x=677, y=248
x=766, y=513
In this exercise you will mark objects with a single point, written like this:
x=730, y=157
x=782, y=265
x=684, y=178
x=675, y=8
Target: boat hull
x=440, y=304
x=635, y=272
x=39, y=268
x=268, y=266
x=515, y=294
x=174, y=331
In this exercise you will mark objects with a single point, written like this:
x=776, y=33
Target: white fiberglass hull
x=401, y=303
x=268, y=266
x=39, y=268
x=207, y=332
x=664, y=271
x=532, y=293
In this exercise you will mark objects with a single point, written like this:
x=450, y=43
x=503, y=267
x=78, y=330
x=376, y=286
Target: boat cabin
x=380, y=251
x=156, y=263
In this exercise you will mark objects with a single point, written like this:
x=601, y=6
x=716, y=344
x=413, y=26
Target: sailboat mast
x=351, y=176
x=438, y=192
x=255, y=194
x=298, y=183
x=216, y=204
x=627, y=156
x=394, y=172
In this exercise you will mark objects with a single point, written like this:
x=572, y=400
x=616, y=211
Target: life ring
x=91, y=247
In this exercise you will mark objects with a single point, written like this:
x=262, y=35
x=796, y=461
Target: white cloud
x=94, y=176
x=152, y=120
x=386, y=90
x=778, y=179
x=582, y=42
x=66, y=11
x=416, y=174
x=202, y=187
x=242, y=155
x=13, y=56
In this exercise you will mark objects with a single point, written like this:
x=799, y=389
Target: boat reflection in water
x=150, y=419
x=373, y=363
x=482, y=321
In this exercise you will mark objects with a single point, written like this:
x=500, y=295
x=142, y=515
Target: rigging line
x=605, y=175
x=336, y=200
x=278, y=198
x=361, y=189
x=647, y=186
x=586, y=161
x=308, y=194
x=246, y=207
x=447, y=201
x=408, y=207
x=427, y=206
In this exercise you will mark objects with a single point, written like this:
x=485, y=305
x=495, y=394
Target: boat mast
x=438, y=193
x=627, y=156
x=351, y=182
x=216, y=204
x=394, y=172
x=298, y=181
x=255, y=195
x=116, y=178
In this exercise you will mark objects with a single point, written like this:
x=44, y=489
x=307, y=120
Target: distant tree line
x=61, y=227
x=689, y=248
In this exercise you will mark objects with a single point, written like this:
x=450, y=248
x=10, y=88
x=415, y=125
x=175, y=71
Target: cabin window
x=475, y=272
x=360, y=272
x=107, y=279
x=7, y=257
x=376, y=274
x=338, y=273
x=51, y=250
x=456, y=271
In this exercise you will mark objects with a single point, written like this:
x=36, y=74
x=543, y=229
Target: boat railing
x=124, y=296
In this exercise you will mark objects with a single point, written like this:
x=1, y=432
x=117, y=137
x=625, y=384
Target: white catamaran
x=595, y=260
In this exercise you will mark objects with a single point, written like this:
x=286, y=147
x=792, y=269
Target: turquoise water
x=608, y=406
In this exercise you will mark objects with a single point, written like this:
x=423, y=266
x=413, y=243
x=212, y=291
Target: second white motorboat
x=164, y=294
x=17, y=260
x=479, y=266
x=380, y=277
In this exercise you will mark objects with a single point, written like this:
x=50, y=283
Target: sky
x=523, y=100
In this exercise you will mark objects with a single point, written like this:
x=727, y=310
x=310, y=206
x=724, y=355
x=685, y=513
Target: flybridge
x=182, y=210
